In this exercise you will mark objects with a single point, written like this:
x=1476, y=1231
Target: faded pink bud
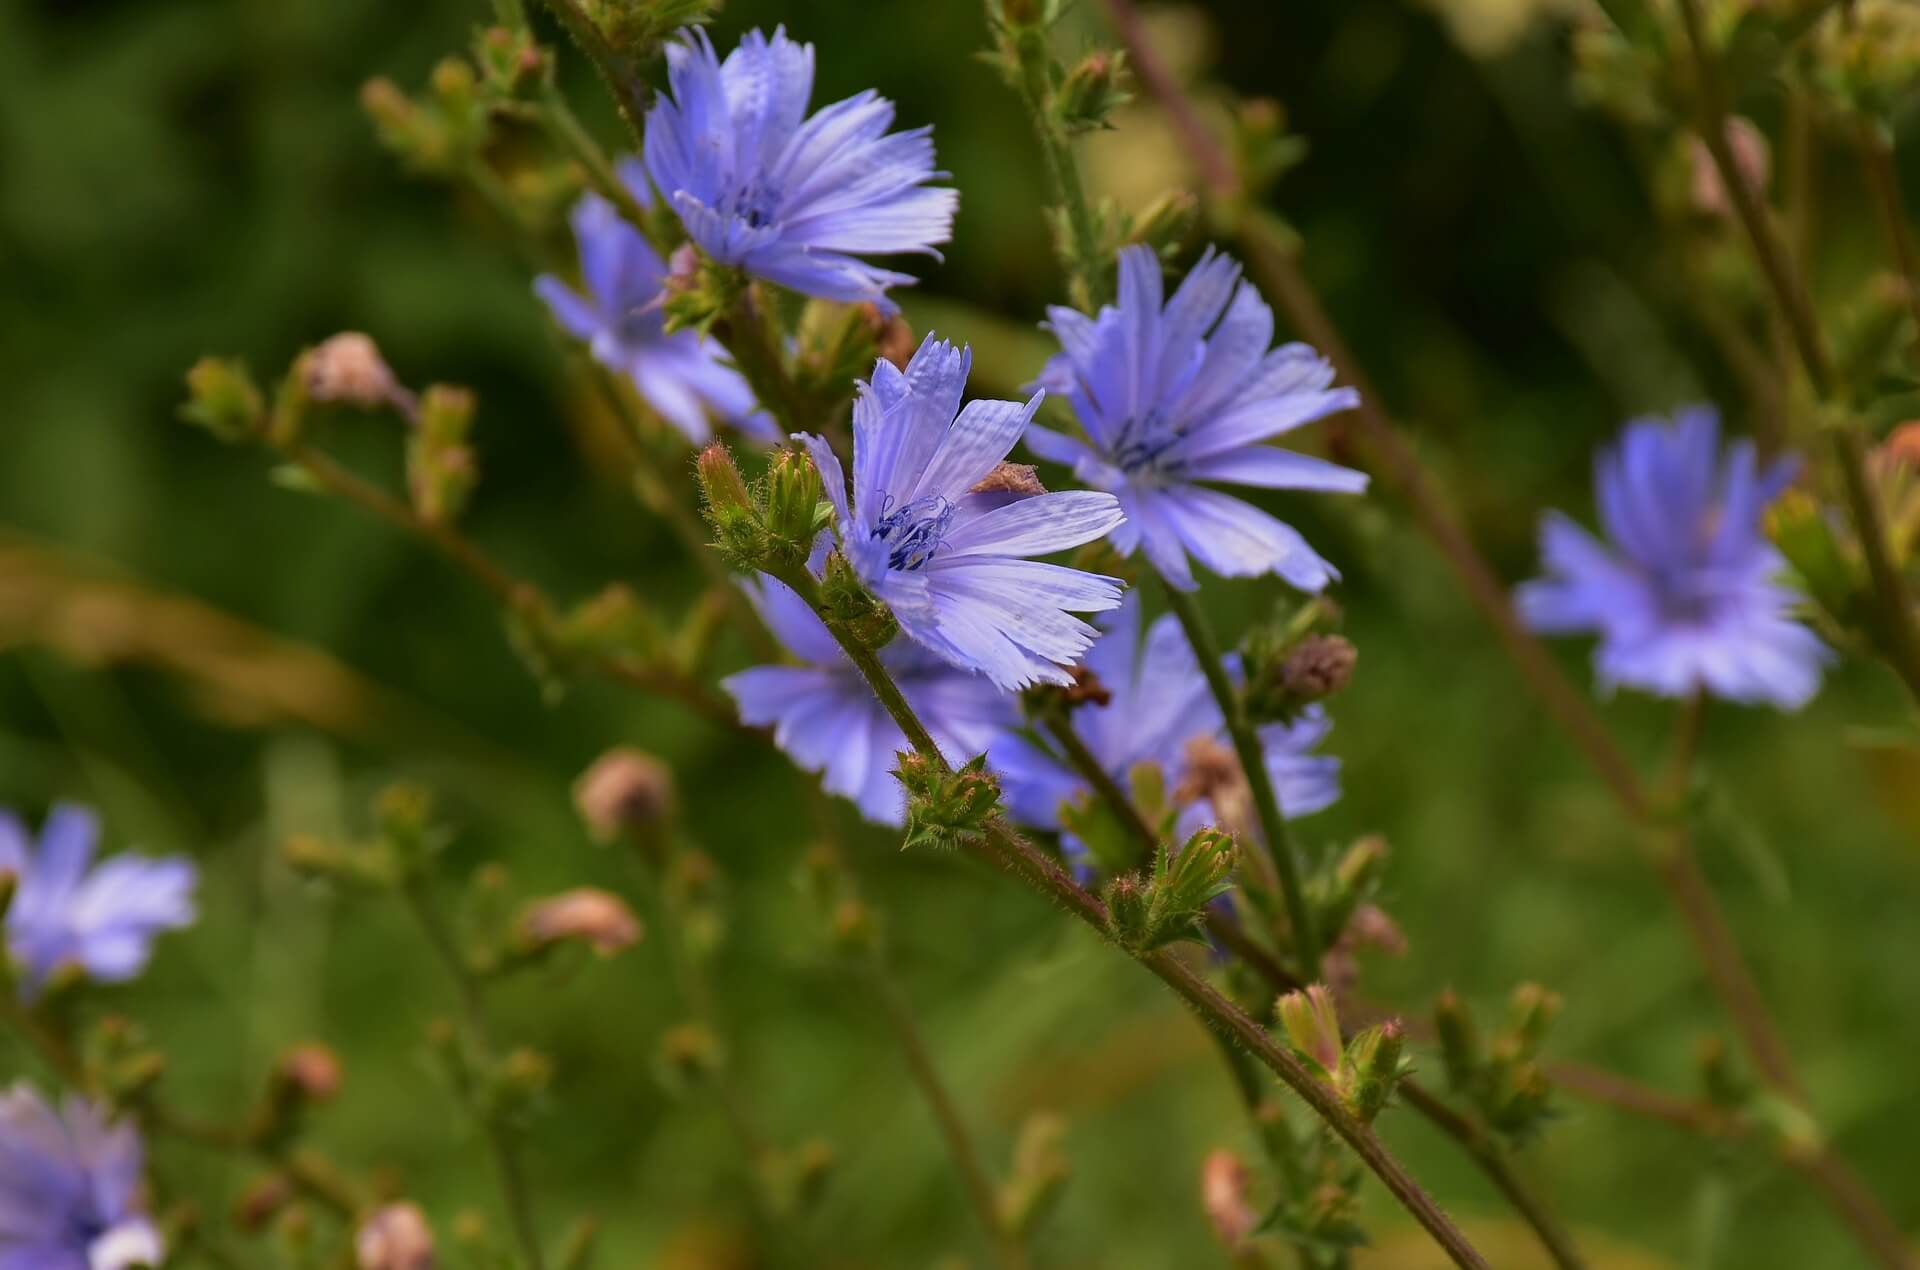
x=597, y=918
x=347, y=369
x=1224, y=1182
x=396, y=1237
x=313, y=1070
x=625, y=789
x=1751, y=156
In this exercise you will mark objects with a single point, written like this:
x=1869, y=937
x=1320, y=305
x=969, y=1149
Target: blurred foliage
x=198, y=176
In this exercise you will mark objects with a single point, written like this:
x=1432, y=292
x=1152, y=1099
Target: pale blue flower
x=1686, y=596
x=69, y=1183
x=1177, y=397
x=683, y=376
x=1160, y=706
x=103, y=919
x=949, y=559
x=827, y=720
x=791, y=197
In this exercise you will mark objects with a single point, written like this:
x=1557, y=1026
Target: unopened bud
x=405, y=816
x=1092, y=90
x=510, y=62
x=1375, y=1061
x=524, y=1075
x=1459, y=1040
x=453, y=82
x=944, y=808
x=795, y=512
x=396, y=1237
x=1020, y=479
x=1752, y=159
x=222, y=398
x=1312, y=1026
x=1531, y=1010
x=596, y=918
x=1165, y=222
x=1211, y=772
x=738, y=530
x=892, y=338
x=1197, y=873
x=311, y=1070
x=1224, y=1186
x=1319, y=666
x=625, y=791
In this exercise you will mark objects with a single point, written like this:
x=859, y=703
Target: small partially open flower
x=624, y=789
x=396, y=1237
x=597, y=918
x=347, y=369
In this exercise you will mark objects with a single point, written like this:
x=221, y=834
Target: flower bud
x=222, y=398
x=311, y=1070
x=1092, y=91
x=795, y=510
x=395, y=117
x=625, y=791
x=1224, y=1186
x=1373, y=1066
x=1211, y=771
x=347, y=369
x=1312, y=1026
x=1531, y=1010
x=511, y=64
x=1318, y=667
x=739, y=532
x=1459, y=1041
x=1165, y=223
x=596, y=918
x=946, y=808
x=1198, y=872
x=441, y=467
x=404, y=813
x=396, y=1237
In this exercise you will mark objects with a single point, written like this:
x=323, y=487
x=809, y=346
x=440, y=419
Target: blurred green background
x=196, y=176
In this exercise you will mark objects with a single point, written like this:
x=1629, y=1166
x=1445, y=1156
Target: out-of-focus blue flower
x=102, y=919
x=68, y=1183
x=827, y=720
x=684, y=377
x=1685, y=595
x=947, y=557
x=1173, y=398
x=791, y=197
x=1161, y=713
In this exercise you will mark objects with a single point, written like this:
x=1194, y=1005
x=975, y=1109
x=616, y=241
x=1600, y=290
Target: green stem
x=499, y=1136
x=743, y=330
x=1266, y=803
x=1002, y=847
x=615, y=71
x=1081, y=257
x=573, y=136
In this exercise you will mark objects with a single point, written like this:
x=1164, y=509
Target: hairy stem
x=1086, y=274
x=1001, y=846
x=1266, y=803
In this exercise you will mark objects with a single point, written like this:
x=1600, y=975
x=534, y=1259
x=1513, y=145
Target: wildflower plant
x=900, y=608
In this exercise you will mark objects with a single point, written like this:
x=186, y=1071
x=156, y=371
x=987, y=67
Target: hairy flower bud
x=1372, y=1067
x=625, y=791
x=1092, y=91
x=946, y=808
x=396, y=1237
x=738, y=528
x=1164, y=223
x=1531, y=1010
x=511, y=64
x=796, y=512
x=1312, y=1026
x=599, y=919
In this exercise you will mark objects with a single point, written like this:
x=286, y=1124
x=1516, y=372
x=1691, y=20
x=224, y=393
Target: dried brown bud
x=597, y=918
x=396, y=1237
x=1086, y=689
x=1751, y=156
x=892, y=337
x=1010, y=478
x=348, y=369
x=312, y=1070
x=1318, y=666
x=1211, y=771
x=624, y=789
x=1224, y=1183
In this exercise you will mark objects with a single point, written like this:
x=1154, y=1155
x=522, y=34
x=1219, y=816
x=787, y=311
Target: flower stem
x=1266, y=803
x=1060, y=727
x=743, y=331
x=1002, y=847
x=499, y=1136
x=1086, y=276
x=894, y=1008
x=615, y=71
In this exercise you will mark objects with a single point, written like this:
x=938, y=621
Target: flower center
x=1142, y=443
x=756, y=204
x=915, y=531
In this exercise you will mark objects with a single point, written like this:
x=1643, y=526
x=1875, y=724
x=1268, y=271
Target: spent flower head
x=685, y=377
x=790, y=197
x=1179, y=394
x=943, y=542
x=1686, y=593
x=69, y=1188
x=102, y=919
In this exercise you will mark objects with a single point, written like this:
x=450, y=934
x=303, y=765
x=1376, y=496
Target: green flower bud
x=1165, y=223
x=796, y=512
x=1459, y=1041
x=222, y=398
x=1530, y=1012
x=1373, y=1066
x=1092, y=91
x=947, y=809
x=511, y=64
x=739, y=530
x=1313, y=1027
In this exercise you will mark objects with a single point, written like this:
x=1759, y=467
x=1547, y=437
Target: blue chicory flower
x=1160, y=712
x=69, y=1180
x=1171, y=397
x=685, y=377
x=103, y=920
x=1686, y=594
x=790, y=197
x=947, y=557
x=826, y=719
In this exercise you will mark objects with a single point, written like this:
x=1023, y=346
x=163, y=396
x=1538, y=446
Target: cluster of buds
x=1866, y=66
x=1170, y=904
x=771, y=525
x=1295, y=660
x=303, y=1077
x=1090, y=91
x=1501, y=1076
x=947, y=808
x=1365, y=1070
x=438, y=131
